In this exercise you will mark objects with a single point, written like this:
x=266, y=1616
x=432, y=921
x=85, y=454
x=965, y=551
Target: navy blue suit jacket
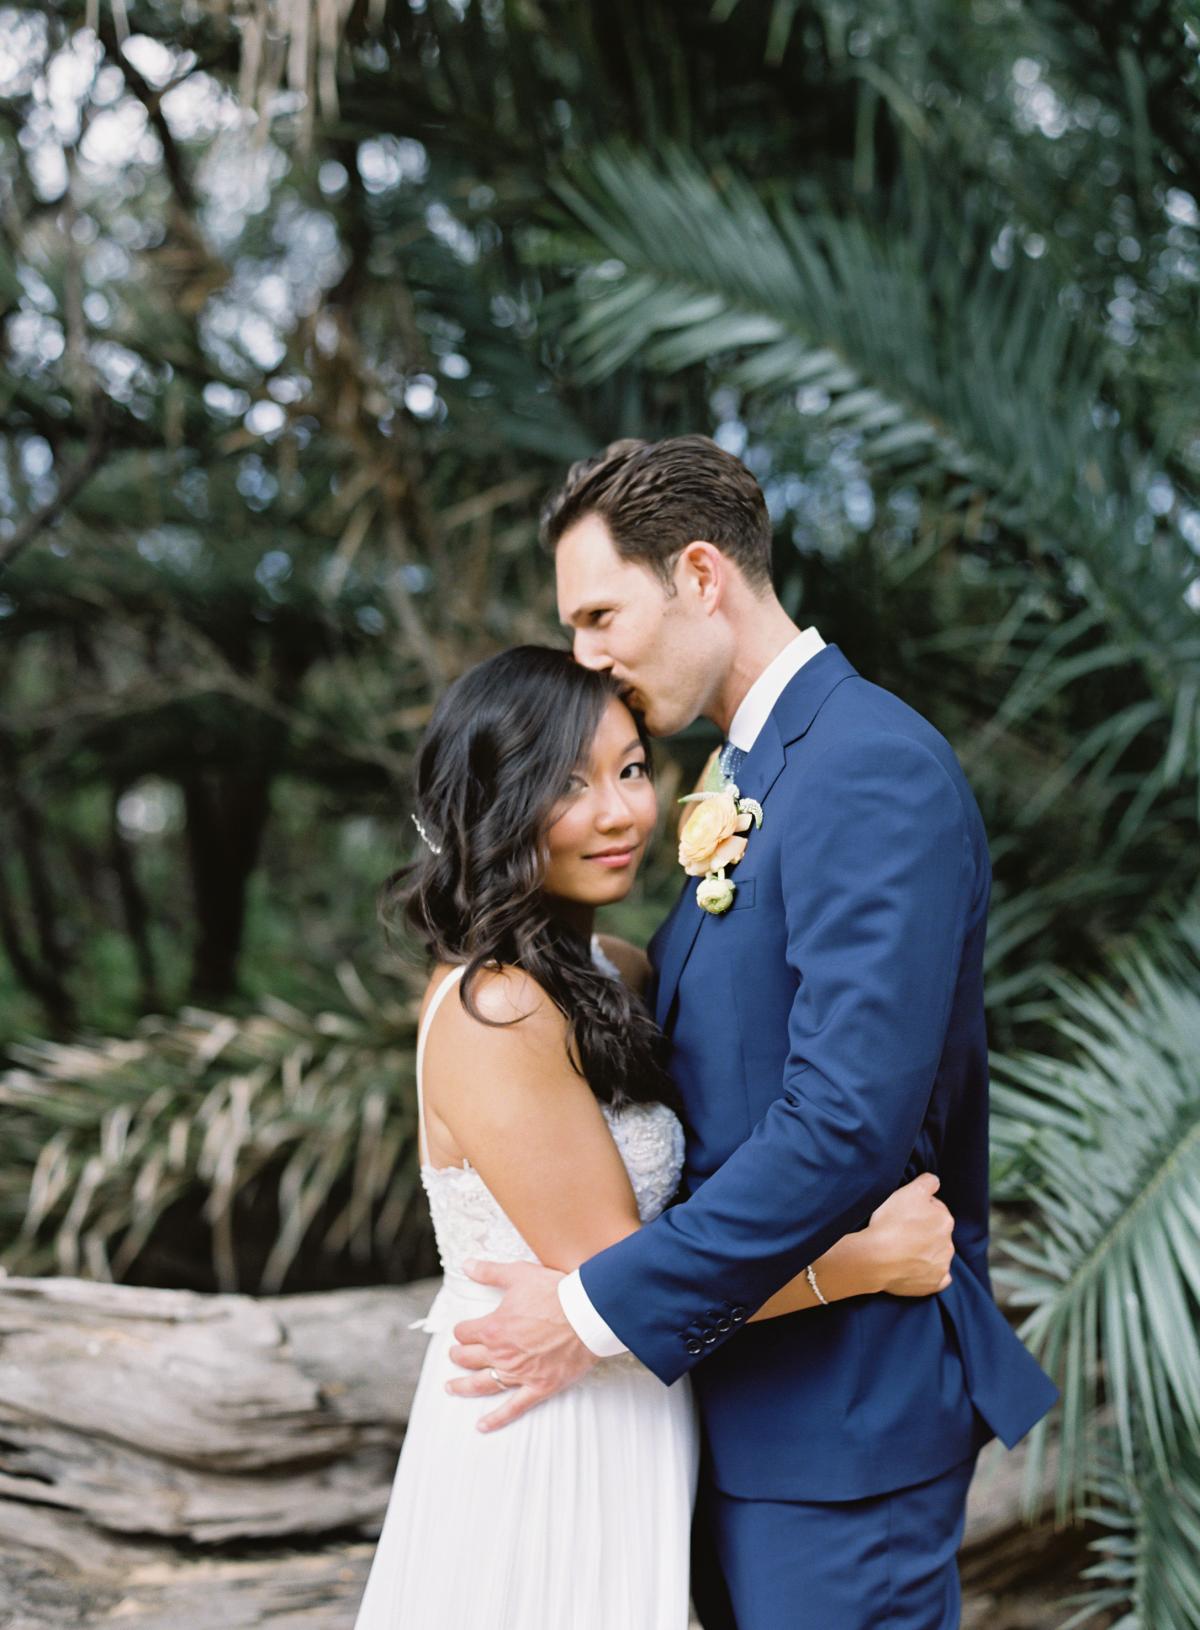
x=828, y=1041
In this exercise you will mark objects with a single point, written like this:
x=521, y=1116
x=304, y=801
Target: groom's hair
x=656, y=497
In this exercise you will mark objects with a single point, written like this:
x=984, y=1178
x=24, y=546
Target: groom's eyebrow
x=585, y=610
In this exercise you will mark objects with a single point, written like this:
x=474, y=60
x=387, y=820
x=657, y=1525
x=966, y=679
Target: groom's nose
x=588, y=650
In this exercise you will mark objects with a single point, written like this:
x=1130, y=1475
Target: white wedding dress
x=575, y=1517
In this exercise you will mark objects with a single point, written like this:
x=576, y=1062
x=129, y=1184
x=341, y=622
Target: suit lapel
x=757, y=775
x=795, y=710
x=679, y=935
x=761, y=766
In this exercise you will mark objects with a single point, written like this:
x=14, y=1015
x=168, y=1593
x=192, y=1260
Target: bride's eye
x=640, y=766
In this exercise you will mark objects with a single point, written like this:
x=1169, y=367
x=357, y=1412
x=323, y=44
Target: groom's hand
x=527, y=1341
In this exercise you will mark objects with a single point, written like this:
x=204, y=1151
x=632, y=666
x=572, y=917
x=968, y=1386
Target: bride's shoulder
x=504, y=996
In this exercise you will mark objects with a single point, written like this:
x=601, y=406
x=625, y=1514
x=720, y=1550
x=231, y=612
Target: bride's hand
x=910, y=1239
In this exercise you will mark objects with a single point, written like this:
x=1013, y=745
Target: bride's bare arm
x=527, y=1121
x=906, y=1250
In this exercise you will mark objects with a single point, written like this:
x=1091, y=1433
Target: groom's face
x=624, y=620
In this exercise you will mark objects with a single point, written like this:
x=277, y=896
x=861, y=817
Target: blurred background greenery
x=306, y=303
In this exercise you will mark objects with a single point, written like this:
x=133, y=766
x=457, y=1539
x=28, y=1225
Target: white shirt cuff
x=585, y=1321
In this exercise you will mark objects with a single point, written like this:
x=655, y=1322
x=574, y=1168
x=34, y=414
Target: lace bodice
x=468, y=1221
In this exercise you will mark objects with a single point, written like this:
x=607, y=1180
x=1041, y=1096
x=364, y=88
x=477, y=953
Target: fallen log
x=207, y=1419
x=174, y=1461
x=152, y=1442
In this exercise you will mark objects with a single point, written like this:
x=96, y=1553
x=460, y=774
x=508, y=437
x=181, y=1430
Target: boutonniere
x=711, y=839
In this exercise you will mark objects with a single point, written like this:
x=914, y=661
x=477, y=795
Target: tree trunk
x=227, y=815
x=43, y=972
x=133, y=904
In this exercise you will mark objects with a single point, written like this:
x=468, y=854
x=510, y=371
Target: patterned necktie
x=731, y=760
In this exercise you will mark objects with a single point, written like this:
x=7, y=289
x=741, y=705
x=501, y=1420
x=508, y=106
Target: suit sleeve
x=877, y=877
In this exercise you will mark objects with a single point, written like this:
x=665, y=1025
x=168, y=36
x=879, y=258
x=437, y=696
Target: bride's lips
x=613, y=858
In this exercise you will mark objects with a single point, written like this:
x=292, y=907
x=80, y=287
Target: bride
x=547, y=1131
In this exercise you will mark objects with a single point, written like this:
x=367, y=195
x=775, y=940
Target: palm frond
x=103, y=1136
x=1148, y=1551
x=940, y=366
x=1109, y=1145
x=922, y=357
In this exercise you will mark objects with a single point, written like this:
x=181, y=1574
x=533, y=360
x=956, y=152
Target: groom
x=828, y=1043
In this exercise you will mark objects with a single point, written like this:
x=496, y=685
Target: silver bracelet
x=810, y=1275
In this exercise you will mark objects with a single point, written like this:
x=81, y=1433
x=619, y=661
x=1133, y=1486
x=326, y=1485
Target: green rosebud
x=715, y=894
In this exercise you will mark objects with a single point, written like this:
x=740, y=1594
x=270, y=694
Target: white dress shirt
x=752, y=713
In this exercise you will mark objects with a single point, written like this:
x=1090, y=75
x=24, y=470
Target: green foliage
x=284, y=1132
x=1148, y=1567
x=1101, y=1147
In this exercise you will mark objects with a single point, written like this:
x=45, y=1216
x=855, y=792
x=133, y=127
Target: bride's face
x=600, y=829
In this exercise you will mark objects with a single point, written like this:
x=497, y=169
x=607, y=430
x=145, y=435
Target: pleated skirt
x=575, y=1517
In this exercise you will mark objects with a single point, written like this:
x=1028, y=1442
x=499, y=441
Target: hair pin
x=436, y=848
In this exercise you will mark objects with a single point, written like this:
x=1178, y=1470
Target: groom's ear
x=703, y=568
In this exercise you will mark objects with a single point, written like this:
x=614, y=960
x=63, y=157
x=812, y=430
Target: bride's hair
x=495, y=761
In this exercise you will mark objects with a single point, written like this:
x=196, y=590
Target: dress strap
x=602, y=959
x=435, y=1001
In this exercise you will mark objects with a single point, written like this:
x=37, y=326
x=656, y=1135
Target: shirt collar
x=755, y=707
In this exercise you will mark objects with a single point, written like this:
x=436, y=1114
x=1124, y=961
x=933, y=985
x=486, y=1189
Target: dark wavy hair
x=657, y=496
x=495, y=760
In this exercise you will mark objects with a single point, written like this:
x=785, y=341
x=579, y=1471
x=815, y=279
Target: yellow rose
x=709, y=836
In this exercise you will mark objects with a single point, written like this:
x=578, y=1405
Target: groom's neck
x=762, y=628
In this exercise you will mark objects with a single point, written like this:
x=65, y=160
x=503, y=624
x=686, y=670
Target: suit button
x=737, y=1314
x=724, y=1326
x=693, y=1346
x=711, y=1339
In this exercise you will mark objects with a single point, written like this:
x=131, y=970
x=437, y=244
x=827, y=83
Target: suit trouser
x=888, y=1562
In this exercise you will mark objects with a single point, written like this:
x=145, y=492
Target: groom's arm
x=878, y=877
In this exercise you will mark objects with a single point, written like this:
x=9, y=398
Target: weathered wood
x=136, y=1586
x=171, y=1461
x=205, y=1418
x=139, y=1426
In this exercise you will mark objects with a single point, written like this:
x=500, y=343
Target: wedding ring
x=495, y=1375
